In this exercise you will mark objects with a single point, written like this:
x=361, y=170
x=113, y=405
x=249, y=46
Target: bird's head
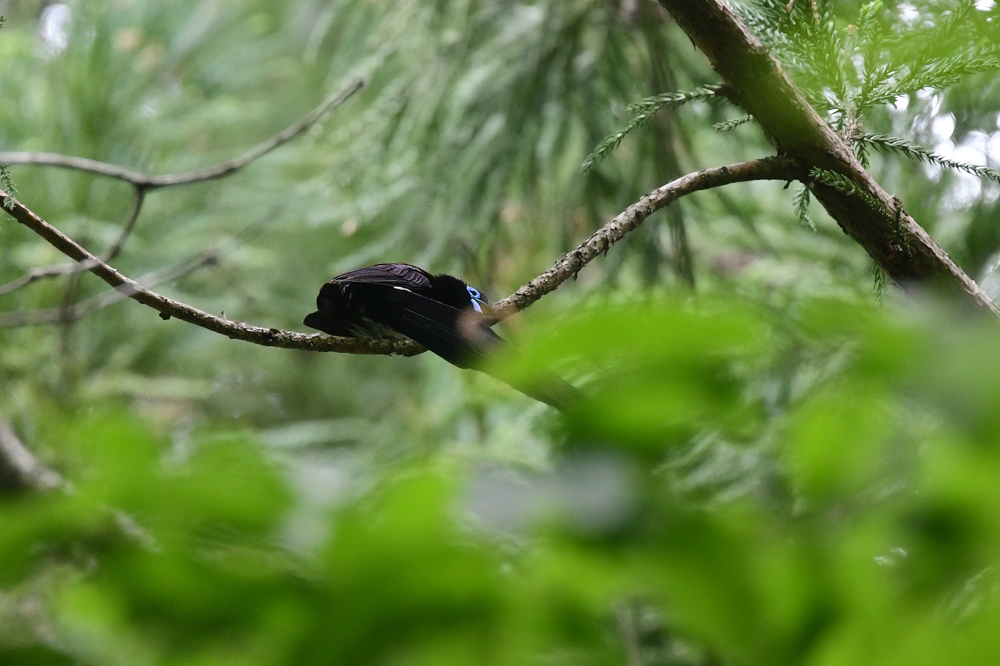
x=456, y=293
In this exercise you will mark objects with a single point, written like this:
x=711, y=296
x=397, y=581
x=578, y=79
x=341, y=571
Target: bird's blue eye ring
x=477, y=299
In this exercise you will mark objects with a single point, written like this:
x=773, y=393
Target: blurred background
x=761, y=397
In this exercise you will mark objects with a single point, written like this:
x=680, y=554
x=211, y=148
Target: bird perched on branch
x=443, y=313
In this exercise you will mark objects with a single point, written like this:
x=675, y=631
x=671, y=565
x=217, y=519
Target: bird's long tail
x=553, y=390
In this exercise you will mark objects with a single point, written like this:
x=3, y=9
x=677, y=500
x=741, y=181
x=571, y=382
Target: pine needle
x=642, y=112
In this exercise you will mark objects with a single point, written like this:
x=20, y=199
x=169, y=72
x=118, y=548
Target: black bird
x=441, y=312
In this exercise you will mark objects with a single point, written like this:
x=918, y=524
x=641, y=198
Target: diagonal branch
x=72, y=312
x=757, y=82
x=55, y=270
x=19, y=469
x=167, y=307
x=152, y=182
x=772, y=168
x=142, y=183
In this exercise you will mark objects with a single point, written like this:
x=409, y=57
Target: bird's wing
x=460, y=337
x=342, y=309
x=393, y=275
x=344, y=303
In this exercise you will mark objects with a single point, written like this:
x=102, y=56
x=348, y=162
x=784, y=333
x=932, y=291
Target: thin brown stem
x=73, y=312
x=143, y=183
x=152, y=182
x=769, y=168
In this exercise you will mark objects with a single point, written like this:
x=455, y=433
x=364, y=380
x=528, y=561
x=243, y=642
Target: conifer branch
x=899, y=146
x=642, y=112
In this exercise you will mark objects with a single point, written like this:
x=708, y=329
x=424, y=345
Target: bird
x=443, y=313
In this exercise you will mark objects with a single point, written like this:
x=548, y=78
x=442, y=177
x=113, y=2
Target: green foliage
x=883, y=528
x=909, y=149
x=642, y=112
x=880, y=280
x=731, y=124
x=8, y=183
x=849, y=68
x=207, y=579
x=802, y=208
x=844, y=184
x=852, y=68
x=861, y=505
x=765, y=478
x=5, y=178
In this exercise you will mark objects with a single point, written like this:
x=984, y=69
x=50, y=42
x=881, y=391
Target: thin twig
x=152, y=182
x=772, y=168
x=19, y=469
x=116, y=247
x=769, y=168
x=143, y=183
x=74, y=312
x=167, y=307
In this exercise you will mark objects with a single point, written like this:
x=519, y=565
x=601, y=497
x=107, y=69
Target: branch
x=771, y=168
x=72, y=312
x=144, y=182
x=76, y=311
x=757, y=82
x=152, y=182
x=167, y=307
x=116, y=247
x=69, y=269
x=19, y=469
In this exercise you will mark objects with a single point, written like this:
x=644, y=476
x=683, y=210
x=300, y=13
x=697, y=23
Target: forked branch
x=143, y=183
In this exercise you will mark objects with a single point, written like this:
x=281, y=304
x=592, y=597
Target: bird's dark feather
x=322, y=322
x=436, y=311
x=407, y=276
x=460, y=337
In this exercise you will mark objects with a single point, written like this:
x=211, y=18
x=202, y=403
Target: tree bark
x=757, y=82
